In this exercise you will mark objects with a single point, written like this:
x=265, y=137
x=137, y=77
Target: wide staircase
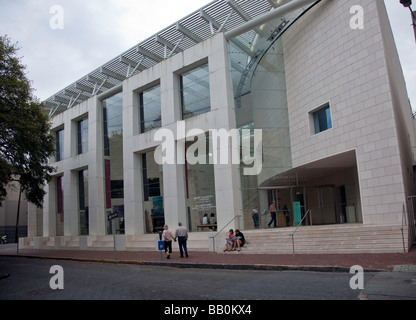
x=343, y=238
x=330, y=239
x=198, y=241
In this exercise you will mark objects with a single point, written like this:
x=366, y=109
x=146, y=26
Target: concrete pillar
x=96, y=189
x=227, y=176
x=49, y=210
x=174, y=195
x=173, y=175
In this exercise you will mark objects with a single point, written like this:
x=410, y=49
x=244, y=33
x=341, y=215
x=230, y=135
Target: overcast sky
x=96, y=31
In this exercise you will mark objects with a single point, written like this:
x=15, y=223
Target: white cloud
x=401, y=23
x=142, y=19
x=95, y=32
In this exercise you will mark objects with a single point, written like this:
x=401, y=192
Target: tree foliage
x=25, y=141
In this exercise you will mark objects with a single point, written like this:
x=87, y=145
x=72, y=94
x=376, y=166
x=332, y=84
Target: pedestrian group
x=234, y=241
x=181, y=235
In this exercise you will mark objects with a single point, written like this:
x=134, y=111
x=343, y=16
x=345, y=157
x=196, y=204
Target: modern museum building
x=242, y=105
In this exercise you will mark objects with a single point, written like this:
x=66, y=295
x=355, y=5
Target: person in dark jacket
x=239, y=240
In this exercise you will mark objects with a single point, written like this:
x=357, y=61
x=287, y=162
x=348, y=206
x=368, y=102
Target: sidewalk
x=233, y=260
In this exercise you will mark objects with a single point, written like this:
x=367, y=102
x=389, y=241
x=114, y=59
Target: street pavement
x=234, y=260
x=318, y=276
x=30, y=279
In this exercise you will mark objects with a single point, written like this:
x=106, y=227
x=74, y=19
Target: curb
x=259, y=267
x=255, y=267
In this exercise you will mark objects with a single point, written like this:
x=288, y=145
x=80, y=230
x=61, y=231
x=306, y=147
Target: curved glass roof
x=216, y=17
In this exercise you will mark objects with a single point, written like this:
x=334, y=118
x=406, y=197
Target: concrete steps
x=329, y=239
x=101, y=243
x=197, y=241
x=348, y=238
x=71, y=242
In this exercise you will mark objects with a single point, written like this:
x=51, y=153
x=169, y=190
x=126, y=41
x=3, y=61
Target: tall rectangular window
x=150, y=109
x=200, y=186
x=152, y=193
x=113, y=160
x=59, y=145
x=113, y=124
x=59, y=195
x=322, y=119
x=59, y=206
x=83, y=202
x=195, y=92
x=82, y=135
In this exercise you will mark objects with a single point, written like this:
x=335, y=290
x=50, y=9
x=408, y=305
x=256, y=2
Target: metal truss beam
x=149, y=54
x=112, y=74
x=188, y=33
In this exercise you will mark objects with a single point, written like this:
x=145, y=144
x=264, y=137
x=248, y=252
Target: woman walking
x=168, y=237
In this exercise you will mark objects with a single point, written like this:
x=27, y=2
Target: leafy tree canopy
x=25, y=139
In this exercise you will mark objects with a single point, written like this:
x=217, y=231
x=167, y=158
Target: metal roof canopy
x=239, y=19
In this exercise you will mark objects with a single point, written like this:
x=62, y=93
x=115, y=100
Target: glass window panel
x=152, y=193
x=322, y=119
x=113, y=120
x=60, y=206
x=328, y=118
x=195, y=92
x=83, y=202
x=150, y=109
x=200, y=189
x=59, y=140
x=82, y=136
x=113, y=161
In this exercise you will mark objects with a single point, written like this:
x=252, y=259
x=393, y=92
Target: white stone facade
x=359, y=73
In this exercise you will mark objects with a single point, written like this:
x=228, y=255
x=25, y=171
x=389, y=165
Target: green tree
x=25, y=139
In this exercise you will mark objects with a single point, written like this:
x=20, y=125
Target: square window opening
x=321, y=119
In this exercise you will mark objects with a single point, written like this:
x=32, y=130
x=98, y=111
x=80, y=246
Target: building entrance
x=290, y=204
x=328, y=204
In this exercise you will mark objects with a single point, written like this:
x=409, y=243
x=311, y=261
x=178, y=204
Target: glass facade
x=152, y=174
x=195, y=94
x=260, y=93
x=261, y=103
x=150, y=109
x=113, y=160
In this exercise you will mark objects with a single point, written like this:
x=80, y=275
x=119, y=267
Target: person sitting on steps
x=239, y=240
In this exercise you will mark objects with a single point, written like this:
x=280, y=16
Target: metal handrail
x=213, y=238
x=293, y=234
x=404, y=222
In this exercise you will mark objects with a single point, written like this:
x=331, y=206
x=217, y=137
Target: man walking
x=273, y=214
x=182, y=235
x=255, y=216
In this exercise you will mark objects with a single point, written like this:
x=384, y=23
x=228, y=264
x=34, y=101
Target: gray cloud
x=95, y=31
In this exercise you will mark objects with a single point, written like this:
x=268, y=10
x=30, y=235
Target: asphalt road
x=30, y=279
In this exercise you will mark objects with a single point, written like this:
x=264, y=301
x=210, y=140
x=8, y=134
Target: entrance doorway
x=328, y=188
x=290, y=204
x=329, y=204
